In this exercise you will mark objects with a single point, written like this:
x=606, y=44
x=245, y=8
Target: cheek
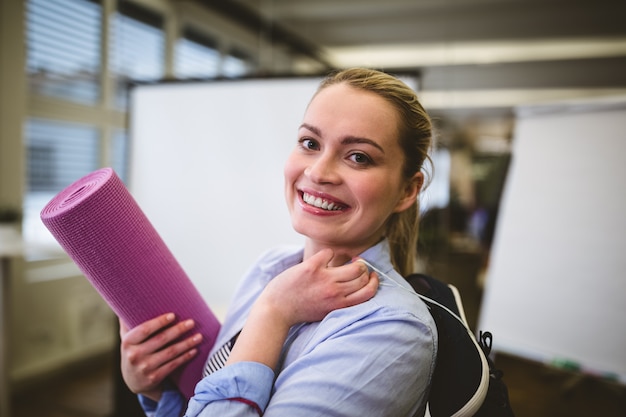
x=290, y=172
x=372, y=194
x=377, y=193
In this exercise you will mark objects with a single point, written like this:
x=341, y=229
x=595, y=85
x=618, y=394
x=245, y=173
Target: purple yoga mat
x=103, y=230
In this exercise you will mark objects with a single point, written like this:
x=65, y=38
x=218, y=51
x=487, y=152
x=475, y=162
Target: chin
x=311, y=231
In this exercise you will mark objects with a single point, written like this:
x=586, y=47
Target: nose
x=323, y=170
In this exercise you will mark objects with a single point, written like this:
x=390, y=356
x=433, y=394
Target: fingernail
x=197, y=337
x=170, y=317
x=362, y=264
x=189, y=323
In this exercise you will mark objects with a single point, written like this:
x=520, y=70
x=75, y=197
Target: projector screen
x=556, y=290
x=207, y=169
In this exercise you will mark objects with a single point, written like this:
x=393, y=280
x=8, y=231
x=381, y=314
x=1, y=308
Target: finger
x=146, y=329
x=150, y=367
x=351, y=272
x=165, y=369
x=167, y=336
x=322, y=258
x=365, y=292
x=123, y=328
x=175, y=351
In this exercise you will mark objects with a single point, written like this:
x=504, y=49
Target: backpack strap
x=461, y=379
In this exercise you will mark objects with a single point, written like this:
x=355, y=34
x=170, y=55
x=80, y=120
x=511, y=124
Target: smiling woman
x=309, y=328
x=347, y=155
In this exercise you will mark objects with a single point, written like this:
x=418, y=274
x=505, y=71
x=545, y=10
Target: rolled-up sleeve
x=171, y=404
x=241, y=389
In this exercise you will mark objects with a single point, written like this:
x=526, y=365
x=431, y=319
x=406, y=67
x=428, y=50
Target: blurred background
x=65, y=70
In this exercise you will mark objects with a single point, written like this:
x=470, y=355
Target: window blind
x=137, y=50
x=196, y=56
x=234, y=66
x=58, y=153
x=63, y=48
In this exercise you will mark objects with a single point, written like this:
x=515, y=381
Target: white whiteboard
x=207, y=169
x=556, y=285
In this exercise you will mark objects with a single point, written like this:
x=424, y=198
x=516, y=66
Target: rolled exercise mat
x=101, y=227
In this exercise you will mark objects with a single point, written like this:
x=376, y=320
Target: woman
x=312, y=332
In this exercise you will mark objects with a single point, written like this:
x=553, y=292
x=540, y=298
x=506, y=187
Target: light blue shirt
x=373, y=359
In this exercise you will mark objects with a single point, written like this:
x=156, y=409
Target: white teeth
x=319, y=202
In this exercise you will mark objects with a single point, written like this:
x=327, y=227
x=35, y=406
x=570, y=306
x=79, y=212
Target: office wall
x=556, y=289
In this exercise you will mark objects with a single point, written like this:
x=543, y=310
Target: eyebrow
x=347, y=140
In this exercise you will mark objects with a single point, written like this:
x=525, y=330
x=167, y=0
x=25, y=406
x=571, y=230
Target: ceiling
x=509, y=50
x=472, y=55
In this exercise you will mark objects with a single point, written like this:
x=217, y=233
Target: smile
x=321, y=203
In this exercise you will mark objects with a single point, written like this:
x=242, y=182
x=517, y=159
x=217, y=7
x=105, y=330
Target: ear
x=411, y=190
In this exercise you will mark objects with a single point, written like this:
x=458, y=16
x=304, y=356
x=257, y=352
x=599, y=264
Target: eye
x=360, y=158
x=309, y=144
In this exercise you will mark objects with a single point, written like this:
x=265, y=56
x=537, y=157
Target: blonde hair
x=415, y=139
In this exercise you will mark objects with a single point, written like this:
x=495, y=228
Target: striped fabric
x=219, y=358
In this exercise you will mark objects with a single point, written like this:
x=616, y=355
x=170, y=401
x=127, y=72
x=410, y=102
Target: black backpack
x=466, y=382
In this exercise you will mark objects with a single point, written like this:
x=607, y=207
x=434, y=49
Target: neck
x=342, y=254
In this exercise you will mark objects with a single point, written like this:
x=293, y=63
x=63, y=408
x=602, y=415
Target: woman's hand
x=303, y=293
x=307, y=292
x=148, y=354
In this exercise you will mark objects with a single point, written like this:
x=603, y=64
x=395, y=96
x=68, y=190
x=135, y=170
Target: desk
x=10, y=248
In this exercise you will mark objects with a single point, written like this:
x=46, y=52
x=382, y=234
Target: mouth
x=322, y=203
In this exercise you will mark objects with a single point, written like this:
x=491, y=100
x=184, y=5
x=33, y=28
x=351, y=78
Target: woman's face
x=344, y=178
